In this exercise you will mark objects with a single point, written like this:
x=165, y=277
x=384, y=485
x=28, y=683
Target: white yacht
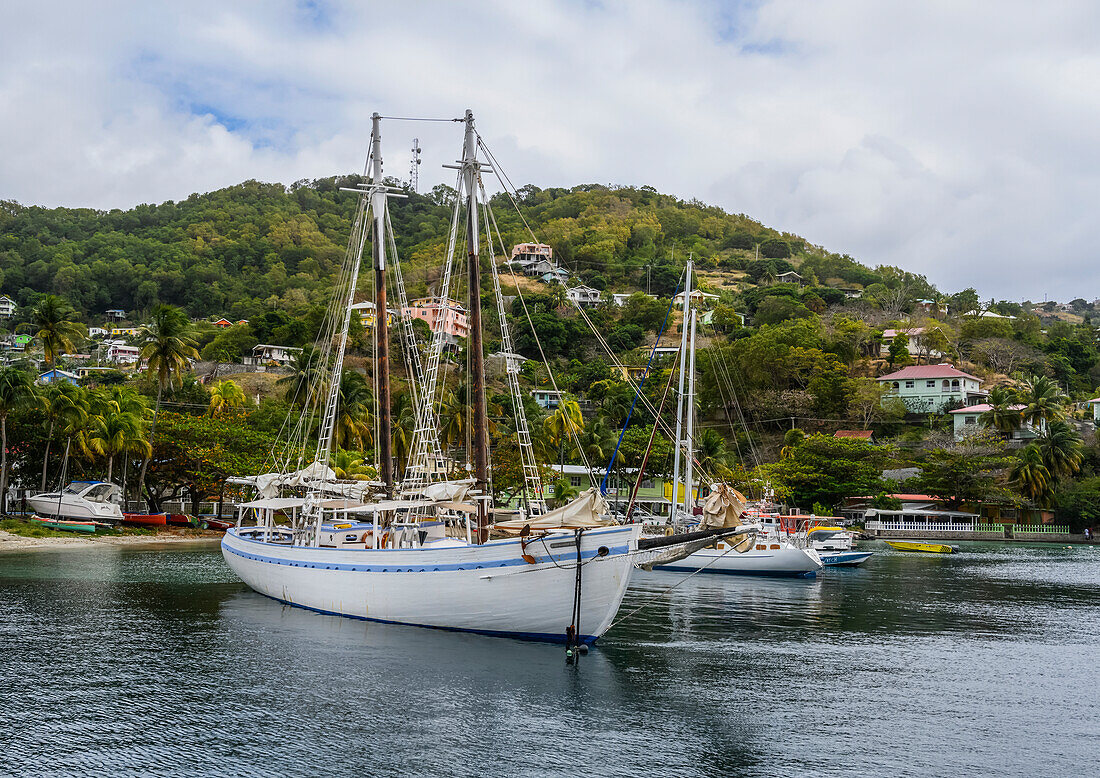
x=93, y=500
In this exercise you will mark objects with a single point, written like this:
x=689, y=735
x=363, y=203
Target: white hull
x=488, y=589
x=74, y=508
x=844, y=558
x=786, y=561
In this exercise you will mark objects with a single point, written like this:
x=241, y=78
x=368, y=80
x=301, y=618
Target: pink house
x=444, y=316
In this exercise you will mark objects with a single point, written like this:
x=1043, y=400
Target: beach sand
x=10, y=542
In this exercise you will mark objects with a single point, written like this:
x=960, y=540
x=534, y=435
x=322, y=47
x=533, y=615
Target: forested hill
x=248, y=248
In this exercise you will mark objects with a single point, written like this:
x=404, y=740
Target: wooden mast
x=381, y=323
x=480, y=421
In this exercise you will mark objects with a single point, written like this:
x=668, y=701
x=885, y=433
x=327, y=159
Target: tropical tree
x=1060, y=447
x=223, y=395
x=305, y=371
x=453, y=415
x=16, y=394
x=792, y=439
x=562, y=493
x=713, y=453
x=1043, y=400
x=1004, y=412
x=351, y=465
x=354, y=413
x=1031, y=475
x=167, y=349
x=114, y=432
x=55, y=325
x=403, y=418
x=564, y=425
x=597, y=441
x=65, y=404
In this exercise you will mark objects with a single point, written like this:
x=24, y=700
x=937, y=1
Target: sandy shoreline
x=10, y=542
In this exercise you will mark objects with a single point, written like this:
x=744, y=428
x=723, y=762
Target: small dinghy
x=68, y=525
x=145, y=519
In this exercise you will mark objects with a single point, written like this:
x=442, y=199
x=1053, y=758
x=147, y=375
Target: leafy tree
x=16, y=394
x=899, y=352
x=775, y=248
x=64, y=403
x=968, y=472
x=826, y=470
x=223, y=395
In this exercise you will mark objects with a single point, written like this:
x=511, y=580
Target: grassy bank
x=30, y=529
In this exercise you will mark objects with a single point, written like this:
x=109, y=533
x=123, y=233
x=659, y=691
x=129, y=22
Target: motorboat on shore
x=89, y=500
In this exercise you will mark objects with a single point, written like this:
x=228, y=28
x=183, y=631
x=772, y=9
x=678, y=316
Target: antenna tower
x=414, y=168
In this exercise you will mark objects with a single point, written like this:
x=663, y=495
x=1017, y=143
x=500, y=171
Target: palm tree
x=1031, y=475
x=792, y=439
x=404, y=424
x=223, y=395
x=564, y=425
x=597, y=441
x=66, y=404
x=56, y=327
x=453, y=416
x=167, y=349
x=305, y=372
x=115, y=432
x=352, y=466
x=16, y=393
x=713, y=453
x=562, y=493
x=1043, y=400
x=355, y=412
x=1002, y=415
x=1060, y=448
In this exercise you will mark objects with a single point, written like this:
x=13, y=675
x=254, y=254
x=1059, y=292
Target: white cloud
x=948, y=138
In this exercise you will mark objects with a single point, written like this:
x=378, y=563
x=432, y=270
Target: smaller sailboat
x=94, y=500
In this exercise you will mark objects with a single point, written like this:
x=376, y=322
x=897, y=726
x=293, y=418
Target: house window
x=895, y=384
x=909, y=384
x=946, y=384
x=574, y=480
x=955, y=384
x=971, y=420
x=647, y=483
x=930, y=384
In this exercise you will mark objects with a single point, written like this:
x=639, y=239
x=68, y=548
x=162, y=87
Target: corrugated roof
x=861, y=434
x=927, y=371
x=983, y=407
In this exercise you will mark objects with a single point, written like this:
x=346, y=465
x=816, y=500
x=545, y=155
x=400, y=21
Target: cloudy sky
x=950, y=138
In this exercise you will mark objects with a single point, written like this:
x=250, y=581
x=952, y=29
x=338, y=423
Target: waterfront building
x=929, y=388
x=654, y=494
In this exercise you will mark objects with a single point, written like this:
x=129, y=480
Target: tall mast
x=689, y=411
x=477, y=359
x=381, y=323
x=680, y=392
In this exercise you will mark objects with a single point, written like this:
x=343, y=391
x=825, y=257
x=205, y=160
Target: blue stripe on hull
x=542, y=637
x=758, y=574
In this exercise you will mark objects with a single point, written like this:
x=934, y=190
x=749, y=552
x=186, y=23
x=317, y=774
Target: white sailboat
x=410, y=561
x=753, y=555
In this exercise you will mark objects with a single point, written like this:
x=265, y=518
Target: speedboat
x=834, y=546
x=926, y=548
x=80, y=500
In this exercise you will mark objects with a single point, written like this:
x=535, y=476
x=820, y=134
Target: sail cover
x=585, y=511
x=268, y=483
x=723, y=507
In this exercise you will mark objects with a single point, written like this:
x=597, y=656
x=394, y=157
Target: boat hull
x=79, y=509
x=145, y=519
x=62, y=524
x=488, y=589
x=844, y=558
x=786, y=562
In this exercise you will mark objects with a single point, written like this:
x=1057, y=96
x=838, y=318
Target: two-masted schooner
x=411, y=548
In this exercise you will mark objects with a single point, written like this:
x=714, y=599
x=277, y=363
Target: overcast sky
x=949, y=138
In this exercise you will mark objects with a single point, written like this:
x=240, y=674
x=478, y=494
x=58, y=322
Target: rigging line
x=638, y=391
x=418, y=119
x=662, y=593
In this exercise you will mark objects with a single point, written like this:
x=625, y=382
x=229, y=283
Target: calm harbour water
x=159, y=662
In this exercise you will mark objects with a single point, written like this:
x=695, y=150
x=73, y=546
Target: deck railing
x=920, y=526
x=1042, y=529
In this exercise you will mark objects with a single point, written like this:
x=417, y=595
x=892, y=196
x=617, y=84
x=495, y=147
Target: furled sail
x=585, y=511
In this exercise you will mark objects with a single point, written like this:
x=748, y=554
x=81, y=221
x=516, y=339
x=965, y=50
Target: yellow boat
x=928, y=548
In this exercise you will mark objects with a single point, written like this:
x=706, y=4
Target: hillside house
x=547, y=399
x=115, y=313
x=97, y=332
x=584, y=296
x=223, y=323
x=929, y=388
x=1095, y=403
x=968, y=421
x=789, y=277
x=914, y=341
x=126, y=332
x=697, y=296
x=7, y=307
x=56, y=376
x=556, y=275
x=366, y=314
x=121, y=354
x=266, y=353
x=442, y=316
x=524, y=254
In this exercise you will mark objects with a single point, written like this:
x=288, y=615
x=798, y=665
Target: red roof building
x=932, y=388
